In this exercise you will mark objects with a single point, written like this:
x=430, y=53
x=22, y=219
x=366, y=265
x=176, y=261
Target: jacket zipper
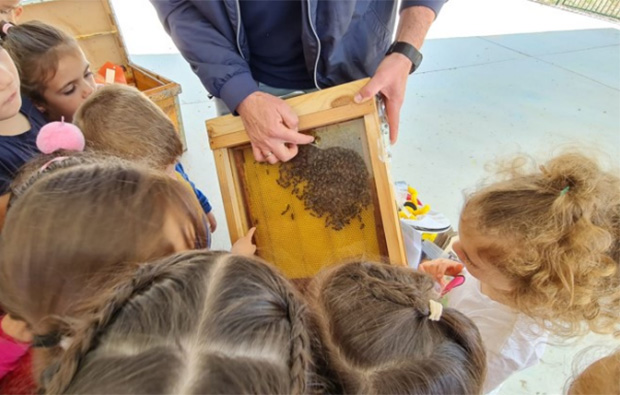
x=318, y=54
x=238, y=4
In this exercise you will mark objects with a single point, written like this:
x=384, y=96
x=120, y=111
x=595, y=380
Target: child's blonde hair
x=601, y=377
x=556, y=236
x=197, y=322
x=36, y=49
x=376, y=335
x=73, y=229
x=121, y=121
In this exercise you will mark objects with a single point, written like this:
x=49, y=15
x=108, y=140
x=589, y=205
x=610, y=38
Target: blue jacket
x=202, y=199
x=343, y=40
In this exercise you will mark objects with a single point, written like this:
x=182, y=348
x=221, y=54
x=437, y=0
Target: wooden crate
x=93, y=23
x=288, y=234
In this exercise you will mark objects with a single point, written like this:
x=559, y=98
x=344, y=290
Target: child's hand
x=17, y=329
x=212, y=221
x=245, y=246
x=438, y=268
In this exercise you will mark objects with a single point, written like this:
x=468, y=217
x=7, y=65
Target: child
x=109, y=216
x=54, y=73
x=382, y=331
x=120, y=120
x=601, y=377
x=196, y=322
x=19, y=125
x=10, y=10
x=541, y=252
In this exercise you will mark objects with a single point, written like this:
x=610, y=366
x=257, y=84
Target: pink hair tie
x=49, y=162
x=6, y=26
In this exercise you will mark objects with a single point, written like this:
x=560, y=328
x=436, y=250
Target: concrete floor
x=491, y=85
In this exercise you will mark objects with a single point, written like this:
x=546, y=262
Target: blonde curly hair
x=557, y=233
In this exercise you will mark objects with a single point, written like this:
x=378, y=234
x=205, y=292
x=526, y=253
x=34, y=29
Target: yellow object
x=408, y=212
x=429, y=236
x=290, y=237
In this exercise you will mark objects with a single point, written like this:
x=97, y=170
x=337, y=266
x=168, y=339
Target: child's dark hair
x=45, y=164
x=36, y=48
x=555, y=233
x=376, y=336
x=197, y=322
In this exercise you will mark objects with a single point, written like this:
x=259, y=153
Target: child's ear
x=40, y=107
x=18, y=11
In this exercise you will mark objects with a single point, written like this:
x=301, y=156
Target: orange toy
x=111, y=73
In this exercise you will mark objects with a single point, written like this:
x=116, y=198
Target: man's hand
x=391, y=81
x=437, y=268
x=391, y=76
x=271, y=125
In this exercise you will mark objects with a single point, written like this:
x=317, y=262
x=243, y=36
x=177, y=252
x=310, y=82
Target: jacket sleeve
x=202, y=199
x=434, y=5
x=207, y=40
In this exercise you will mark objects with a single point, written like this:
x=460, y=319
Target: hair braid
x=101, y=314
x=300, y=343
x=385, y=287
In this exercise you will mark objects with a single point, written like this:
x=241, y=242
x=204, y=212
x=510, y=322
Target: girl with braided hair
x=197, y=322
x=74, y=229
x=380, y=330
x=540, y=252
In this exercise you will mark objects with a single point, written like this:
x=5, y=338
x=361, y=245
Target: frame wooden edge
x=385, y=191
x=335, y=104
x=306, y=122
x=233, y=206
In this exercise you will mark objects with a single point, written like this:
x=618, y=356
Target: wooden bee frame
x=325, y=109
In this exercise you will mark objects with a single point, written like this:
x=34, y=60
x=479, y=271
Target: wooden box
x=304, y=224
x=93, y=23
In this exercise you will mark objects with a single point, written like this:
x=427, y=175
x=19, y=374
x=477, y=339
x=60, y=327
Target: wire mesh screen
x=607, y=8
x=318, y=209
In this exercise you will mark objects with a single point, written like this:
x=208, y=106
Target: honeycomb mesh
x=287, y=233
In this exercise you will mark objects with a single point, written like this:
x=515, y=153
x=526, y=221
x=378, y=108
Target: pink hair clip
x=457, y=281
x=60, y=135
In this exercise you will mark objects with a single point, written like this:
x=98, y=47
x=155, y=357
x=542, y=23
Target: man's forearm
x=414, y=24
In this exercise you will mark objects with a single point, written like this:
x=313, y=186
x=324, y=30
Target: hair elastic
x=6, y=26
x=564, y=191
x=436, y=309
x=49, y=162
x=46, y=341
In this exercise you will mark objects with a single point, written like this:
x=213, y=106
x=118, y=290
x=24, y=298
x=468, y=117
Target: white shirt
x=512, y=340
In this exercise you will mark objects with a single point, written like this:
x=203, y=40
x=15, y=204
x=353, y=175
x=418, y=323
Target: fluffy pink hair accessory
x=60, y=135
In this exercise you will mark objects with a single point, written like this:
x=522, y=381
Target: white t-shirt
x=512, y=340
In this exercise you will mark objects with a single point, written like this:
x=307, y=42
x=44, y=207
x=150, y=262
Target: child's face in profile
x=10, y=98
x=10, y=10
x=469, y=249
x=72, y=84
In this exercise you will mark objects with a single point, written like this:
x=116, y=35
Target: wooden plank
x=231, y=196
x=92, y=23
x=306, y=122
x=385, y=191
x=340, y=96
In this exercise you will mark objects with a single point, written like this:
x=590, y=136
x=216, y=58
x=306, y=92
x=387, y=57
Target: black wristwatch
x=409, y=51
